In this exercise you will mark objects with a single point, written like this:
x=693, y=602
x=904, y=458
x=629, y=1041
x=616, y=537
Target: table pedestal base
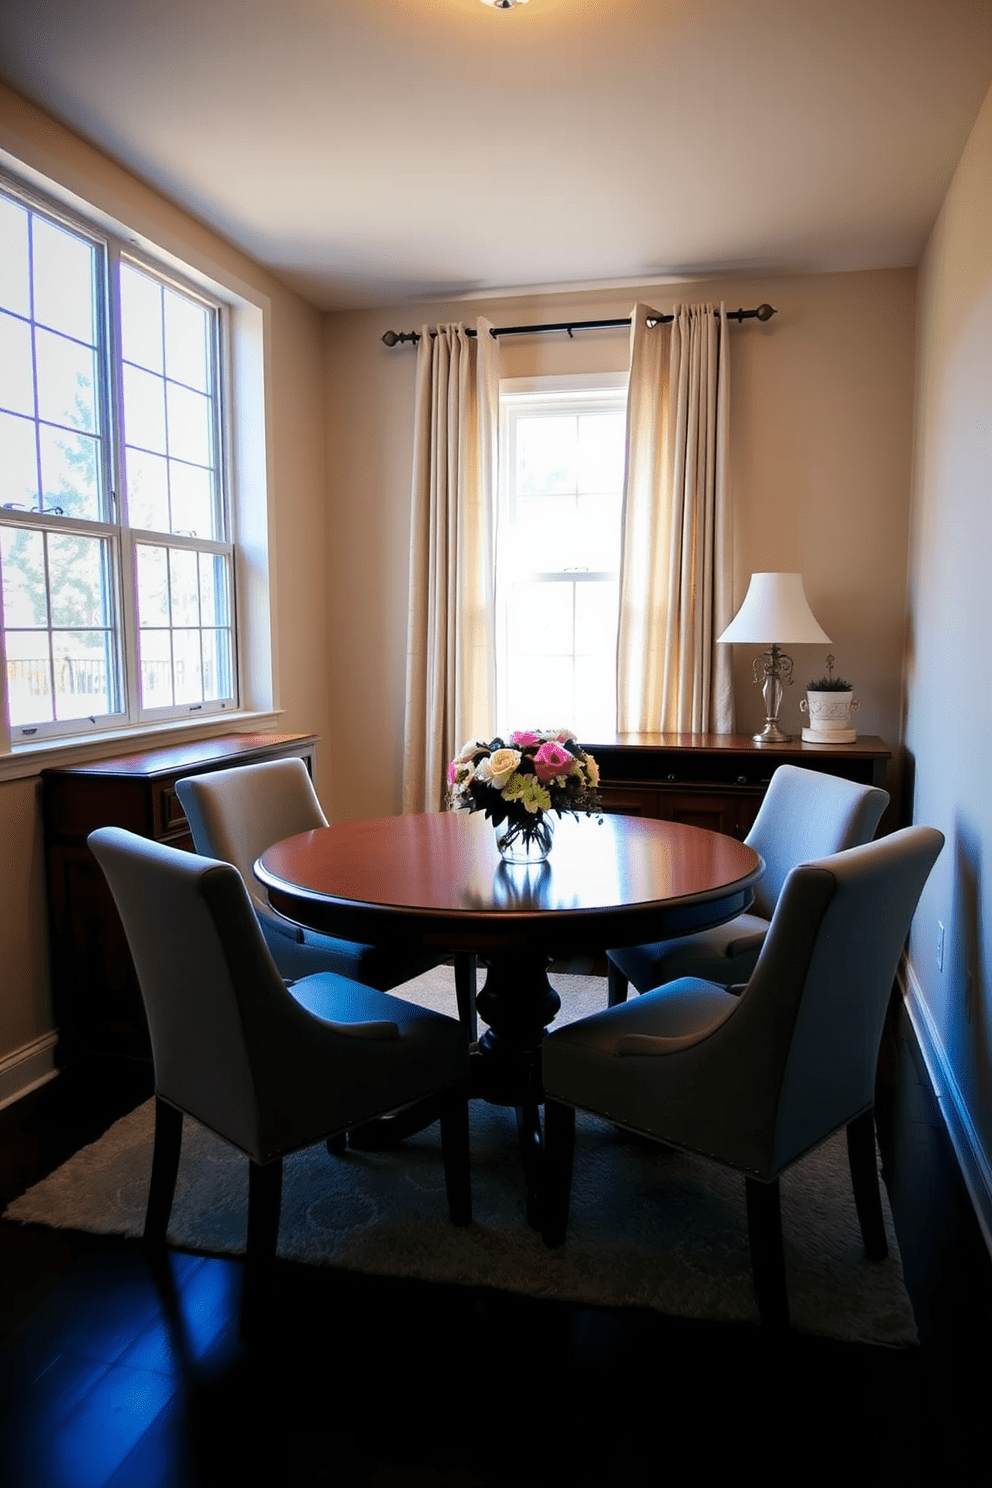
x=518, y=1002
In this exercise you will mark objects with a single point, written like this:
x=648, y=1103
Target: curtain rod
x=763, y=312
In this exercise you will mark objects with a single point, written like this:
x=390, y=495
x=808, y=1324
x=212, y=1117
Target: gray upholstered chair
x=235, y=814
x=804, y=815
x=757, y=1081
x=269, y=1068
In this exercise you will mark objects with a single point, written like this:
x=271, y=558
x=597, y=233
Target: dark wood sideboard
x=716, y=780
x=96, y=1002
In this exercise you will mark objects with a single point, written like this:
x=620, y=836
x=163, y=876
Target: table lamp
x=775, y=610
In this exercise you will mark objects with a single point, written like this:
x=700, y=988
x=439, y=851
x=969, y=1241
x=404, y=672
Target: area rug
x=649, y=1227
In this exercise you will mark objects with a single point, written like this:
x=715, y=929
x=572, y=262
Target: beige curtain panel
x=676, y=568
x=451, y=647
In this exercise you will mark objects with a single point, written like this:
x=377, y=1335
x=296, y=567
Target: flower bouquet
x=516, y=783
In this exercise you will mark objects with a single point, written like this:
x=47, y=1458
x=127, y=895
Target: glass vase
x=525, y=842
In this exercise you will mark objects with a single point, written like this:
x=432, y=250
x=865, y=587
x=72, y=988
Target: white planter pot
x=829, y=717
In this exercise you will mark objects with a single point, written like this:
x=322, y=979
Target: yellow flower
x=498, y=768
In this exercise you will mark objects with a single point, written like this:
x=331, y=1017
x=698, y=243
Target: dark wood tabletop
x=439, y=879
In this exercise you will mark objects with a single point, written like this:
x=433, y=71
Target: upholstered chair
x=271, y=1069
x=235, y=814
x=804, y=815
x=756, y=1081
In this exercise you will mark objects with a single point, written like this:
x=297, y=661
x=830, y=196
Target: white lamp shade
x=775, y=612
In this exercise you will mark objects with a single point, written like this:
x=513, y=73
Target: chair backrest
x=213, y=998
x=809, y=1023
x=807, y=815
x=234, y=815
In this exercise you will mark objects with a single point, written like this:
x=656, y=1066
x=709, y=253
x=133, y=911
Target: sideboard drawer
x=170, y=818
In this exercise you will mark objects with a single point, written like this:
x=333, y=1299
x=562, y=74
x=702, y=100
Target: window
x=562, y=471
x=116, y=555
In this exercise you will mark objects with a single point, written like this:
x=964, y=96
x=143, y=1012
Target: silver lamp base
x=771, y=668
x=771, y=734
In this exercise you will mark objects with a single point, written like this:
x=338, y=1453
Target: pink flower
x=551, y=760
x=524, y=740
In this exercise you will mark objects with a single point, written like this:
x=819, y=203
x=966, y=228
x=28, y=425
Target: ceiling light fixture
x=504, y=4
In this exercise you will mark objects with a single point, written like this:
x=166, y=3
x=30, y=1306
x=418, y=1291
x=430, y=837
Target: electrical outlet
x=940, y=946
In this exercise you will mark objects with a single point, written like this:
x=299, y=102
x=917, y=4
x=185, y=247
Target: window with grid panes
x=115, y=549
x=562, y=457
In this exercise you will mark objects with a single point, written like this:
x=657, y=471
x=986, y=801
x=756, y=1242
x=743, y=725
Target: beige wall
x=295, y=464
x=948, y=713
x=821, y=413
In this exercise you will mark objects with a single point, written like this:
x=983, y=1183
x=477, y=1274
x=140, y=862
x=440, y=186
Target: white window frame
x=570, y=392
x=242, y=370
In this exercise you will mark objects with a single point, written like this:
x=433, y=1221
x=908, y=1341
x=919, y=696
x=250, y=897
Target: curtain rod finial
x=765, y=312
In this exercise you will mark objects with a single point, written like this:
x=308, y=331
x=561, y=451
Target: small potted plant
x=829, y=701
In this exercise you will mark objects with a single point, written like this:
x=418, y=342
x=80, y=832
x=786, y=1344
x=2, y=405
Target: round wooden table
x=438, y=881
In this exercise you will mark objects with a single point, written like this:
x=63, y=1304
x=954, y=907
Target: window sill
x=30, y=759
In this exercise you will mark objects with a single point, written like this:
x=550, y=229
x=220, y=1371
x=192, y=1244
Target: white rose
x=498, y=768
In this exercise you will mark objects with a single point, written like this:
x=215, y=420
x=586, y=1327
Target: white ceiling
x=372, y=151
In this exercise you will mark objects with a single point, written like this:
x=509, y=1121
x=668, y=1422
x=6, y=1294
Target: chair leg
x=764, y=1228
x=456, y=1158
x=532, y=1160
x=264, y=1201
x=165, y=1169
x=617, y=985
x=864, y=1180
x=559, y=1152
x=465, y=992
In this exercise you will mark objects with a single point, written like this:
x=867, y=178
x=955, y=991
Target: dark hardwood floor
x=110, y=1375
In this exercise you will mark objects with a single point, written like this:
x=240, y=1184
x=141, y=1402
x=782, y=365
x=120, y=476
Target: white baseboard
x=973, y=1161
x=27, y=1068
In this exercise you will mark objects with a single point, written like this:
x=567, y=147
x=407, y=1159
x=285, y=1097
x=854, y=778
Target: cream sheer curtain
x=451, y=650
x=676, y=578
